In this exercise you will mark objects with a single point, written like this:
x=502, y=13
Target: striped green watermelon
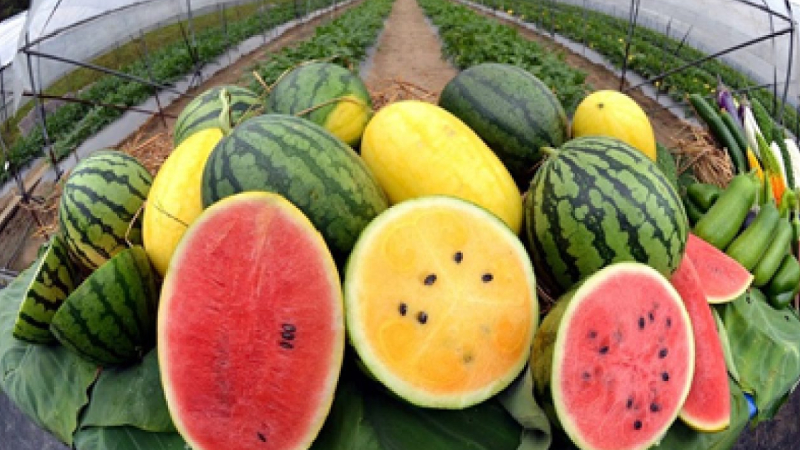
x=596, y=201
x=203, y=112
x=54, y=281
x=514, y=112
x=111, y=317
x=99, y=202
x=303, y=162
x=304, y=89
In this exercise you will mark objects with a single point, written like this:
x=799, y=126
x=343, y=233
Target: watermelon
x=99, y=202
x=597, y=201
x=614, y=359
x=708, y=406
x=204, y=111
x=306, y=164
x=441, y=302
x=328, y=95
x=250, y=327
x=513, y=111
x=111, y=317
x=723, y=279
x=54, y=281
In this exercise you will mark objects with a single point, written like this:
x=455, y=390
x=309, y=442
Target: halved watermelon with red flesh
x=708, y=406
x=615, y=356
x=250, y=327
x=723, y=279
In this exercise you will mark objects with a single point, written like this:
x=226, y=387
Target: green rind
x=110, y=317
x=598, y=201
x=666, y=162
x=313, y=84
x=54, y=281
x=303, y=162
x=203, y=112
x=514, y=112
x=100, y=199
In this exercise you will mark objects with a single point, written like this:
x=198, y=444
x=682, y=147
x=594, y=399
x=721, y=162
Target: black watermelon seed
x=669, y=322
x=629, y=405
x=287, y=335
x=651, y=316
x=458, y=257
x=287, y=345
x=663, y=353
x=592, y=334
x=641, y=323
x=487, y=277
x=604, y=350
x=655, y=407
x=665, y=376
x=403, y=309
x=586, y=375
x=422, y=317
x=467, y=358
x=289, y=327
x=637, y=425
x=430, y=279
x=261, y=436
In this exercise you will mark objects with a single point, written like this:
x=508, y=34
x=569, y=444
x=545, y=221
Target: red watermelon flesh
x=708, y=406
x=250, y=328
x=623, y=359
x=723, y=279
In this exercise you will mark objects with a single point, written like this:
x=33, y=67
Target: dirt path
x=409, y=50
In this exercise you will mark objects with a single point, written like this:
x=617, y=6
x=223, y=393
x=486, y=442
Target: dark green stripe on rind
x=100, y=199
x=303, y=162
x=53, y=282
x=511, y=110
x=110, y=317
x=313, y=84
x=597, y=201
x=203, y=112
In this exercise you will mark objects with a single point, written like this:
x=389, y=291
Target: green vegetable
x=771, y=260
x=693, y=212
x=719, y=131
x=735, y=130
x=749, y=246
x=783, y=287
x=763, y=119
x=703, y=195
x=722, y=221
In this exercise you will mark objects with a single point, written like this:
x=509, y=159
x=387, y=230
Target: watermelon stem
x=130, y=224
x=166, y=213
x=549, y=151
x=332, y=101
x=225, y=119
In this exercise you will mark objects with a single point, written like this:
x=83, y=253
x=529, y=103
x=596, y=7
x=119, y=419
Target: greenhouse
x=483, y=224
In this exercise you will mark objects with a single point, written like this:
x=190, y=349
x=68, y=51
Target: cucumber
x=719, y=131
x=720, y=224
x=750, y=246
x=771, y=260
x=763, y=119
x=784, y=285
x=693, y=212
x=735, y=130
x=703, y=195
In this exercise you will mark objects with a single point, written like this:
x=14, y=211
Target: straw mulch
x=701, y=155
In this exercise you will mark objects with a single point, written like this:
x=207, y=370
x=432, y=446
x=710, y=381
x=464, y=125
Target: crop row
x=651, y=53
x=73, y=123
x=345, y=39
x=470, y=39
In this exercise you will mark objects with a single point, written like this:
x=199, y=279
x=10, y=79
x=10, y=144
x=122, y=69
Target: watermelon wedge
x=722, y=278
x=250, y=327
x=615, y=358
x=708, y=406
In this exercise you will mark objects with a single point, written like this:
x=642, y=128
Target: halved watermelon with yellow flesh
x=708, y=406
x=441, y=302
x=250, y=327
x=615, y=359
x=722, y=277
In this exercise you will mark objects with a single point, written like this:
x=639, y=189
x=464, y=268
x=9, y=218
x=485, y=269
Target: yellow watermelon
x=440, y=302
x=614, y=114
x=417, y=149
x=175, y=200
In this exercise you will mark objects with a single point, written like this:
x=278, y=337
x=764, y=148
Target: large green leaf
x=130, y=396
x=682, y=437
x=766, y=349
x=365, y=417
x=126, y=438
x=519, y=401
x=48, y=383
